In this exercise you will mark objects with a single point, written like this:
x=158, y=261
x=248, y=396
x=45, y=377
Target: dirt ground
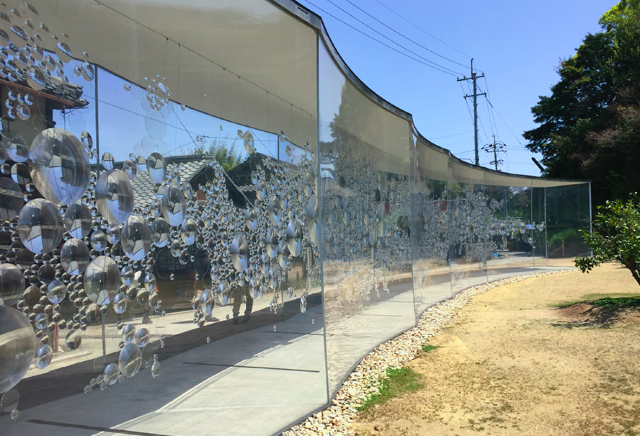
x=511, y=363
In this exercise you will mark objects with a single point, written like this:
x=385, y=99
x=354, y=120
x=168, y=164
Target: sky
x=517, y=45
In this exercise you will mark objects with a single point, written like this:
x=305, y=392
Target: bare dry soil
x=513, y=363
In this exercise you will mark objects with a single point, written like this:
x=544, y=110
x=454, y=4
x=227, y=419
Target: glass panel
x=469, y=226
x=564, y=210
x=512, y=251
x=188, y=246
x=429, y=227
x=364, y=159
x=181, y=291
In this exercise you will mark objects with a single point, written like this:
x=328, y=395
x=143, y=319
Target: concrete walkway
x=256, y=382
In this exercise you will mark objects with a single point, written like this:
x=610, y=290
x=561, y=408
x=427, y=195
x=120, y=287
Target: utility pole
x=497, y=147
x=474, y=77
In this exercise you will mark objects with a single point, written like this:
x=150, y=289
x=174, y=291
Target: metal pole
x=474, y=78
x=546, y=245
x=320, y=229
x=95, y=83
x=475, y=112
x=533, y=236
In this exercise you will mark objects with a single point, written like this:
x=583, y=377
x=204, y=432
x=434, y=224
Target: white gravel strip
x=365, y=379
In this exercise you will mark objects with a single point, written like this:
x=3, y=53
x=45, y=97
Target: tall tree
x=589, y=125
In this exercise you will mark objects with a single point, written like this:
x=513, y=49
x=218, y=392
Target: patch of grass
x=625, y=299
x=591, y=297
x=398, y=381
x=567, y=304
x=621, y=302
x=427, y=348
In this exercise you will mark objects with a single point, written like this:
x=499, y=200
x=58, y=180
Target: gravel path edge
x=335, y=419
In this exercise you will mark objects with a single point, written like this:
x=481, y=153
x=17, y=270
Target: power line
x=405, y=37
x=450, y=136
x=491, y=116
x=436, y=67
x=420, y=28
x=505, y=123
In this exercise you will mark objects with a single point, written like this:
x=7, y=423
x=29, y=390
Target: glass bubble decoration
x=128, y=333
x=56, y=292
x=87, y=140
x=127, y=275
x=18, y=150
x=18, y=347
x=11, y=199
x=174, y=206
x=46, y=274
x=114, y=196
x=271, y=243
x=141, y=164
x=113, y=233
x=40, y=226
x=207, y=302
x=157, y=167
x=130, y=167
x=135, y=237
x=61, y=171
x=189, y=231
x=43, y=356
x=239, y=251
x=77, y=220
x=130, y=360
x=99, y=240
x=142, y=337
x=119, y=304
x=9, y=401
x=20, y=174
x=102, y=280
x=155, y=369
x=36, y=78
x=150, y=282
x=88, y=72
x=74, y=256
x=294, y=237
x=160, y=231
x=303, y=304
x=249, y=145
x=312, y=214
x=11, y=284
x=3, y=151
x=92, y=312
x=111, y=374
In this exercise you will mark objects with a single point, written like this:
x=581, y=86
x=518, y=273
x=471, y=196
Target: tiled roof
x=144, y=188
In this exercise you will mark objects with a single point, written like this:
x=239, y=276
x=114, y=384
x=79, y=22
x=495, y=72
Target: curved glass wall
x=367, y=281
x=208, y=221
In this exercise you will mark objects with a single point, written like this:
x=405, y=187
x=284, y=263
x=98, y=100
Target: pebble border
x=364, y=380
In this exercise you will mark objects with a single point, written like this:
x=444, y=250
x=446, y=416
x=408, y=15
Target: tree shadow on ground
x=602, y=313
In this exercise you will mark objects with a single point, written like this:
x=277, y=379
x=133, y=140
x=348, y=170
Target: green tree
x=226, y=155
x=588, y=126
x=615, y=237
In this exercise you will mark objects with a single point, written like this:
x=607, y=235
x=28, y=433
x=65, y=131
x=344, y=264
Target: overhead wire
x=491, y=112
x=428, y=63
x=450, y=136
x=420, y=28
x=405, y=37
x=505, y=123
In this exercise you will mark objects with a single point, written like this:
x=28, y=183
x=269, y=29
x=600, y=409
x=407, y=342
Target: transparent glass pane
x=367, y=280
x=429, y=227
x=185, y=274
